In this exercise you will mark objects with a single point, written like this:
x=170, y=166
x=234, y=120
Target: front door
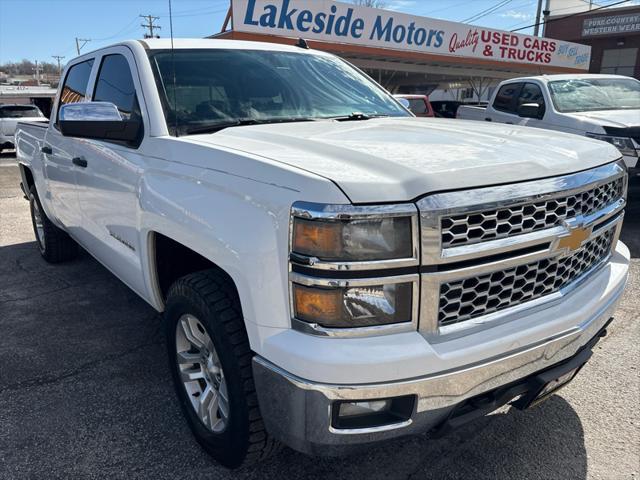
x=108, y=182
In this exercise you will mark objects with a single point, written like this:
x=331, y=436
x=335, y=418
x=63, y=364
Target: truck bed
x=469, y=112
x=29, y=140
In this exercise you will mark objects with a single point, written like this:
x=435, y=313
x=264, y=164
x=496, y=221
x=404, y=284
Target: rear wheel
x=210, y=361
x=55, y=245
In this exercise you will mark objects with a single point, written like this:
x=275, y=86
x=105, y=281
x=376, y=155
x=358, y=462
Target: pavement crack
x=29, y=297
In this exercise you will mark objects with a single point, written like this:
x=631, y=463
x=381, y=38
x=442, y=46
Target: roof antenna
x=173, y=68
x=302, y=43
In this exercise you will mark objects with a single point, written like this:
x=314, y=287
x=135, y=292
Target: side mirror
x=530, y=110
x=404, y=102
x=99, y=121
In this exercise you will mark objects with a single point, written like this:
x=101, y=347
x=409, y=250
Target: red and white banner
x=337, y=22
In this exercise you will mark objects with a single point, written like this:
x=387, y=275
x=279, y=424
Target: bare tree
x=370, y=3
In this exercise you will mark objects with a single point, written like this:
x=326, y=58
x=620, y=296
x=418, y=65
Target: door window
x=531, y=93
x=75, y=85
x=115, y=85
x=418, y=106
x=506, y=98
x=20, y=111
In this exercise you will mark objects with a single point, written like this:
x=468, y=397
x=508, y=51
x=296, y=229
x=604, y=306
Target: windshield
x=219, y=87
x=20, y=111
x=588, y=94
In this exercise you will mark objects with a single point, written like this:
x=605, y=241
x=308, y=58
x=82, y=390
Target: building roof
x=25, y=91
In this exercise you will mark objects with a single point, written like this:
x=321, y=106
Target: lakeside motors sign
x=613, y=24
x=336, y=22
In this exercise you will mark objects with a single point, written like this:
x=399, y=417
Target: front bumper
x=299, y=412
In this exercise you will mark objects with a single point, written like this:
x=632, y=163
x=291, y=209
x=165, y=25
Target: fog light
x=352, y=409
x=362, y=414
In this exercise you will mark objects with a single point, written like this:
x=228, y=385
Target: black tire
x=55, y=245
x=210, y=297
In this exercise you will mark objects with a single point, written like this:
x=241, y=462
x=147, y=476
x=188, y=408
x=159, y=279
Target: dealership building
x=612, y=34
x=405, y=53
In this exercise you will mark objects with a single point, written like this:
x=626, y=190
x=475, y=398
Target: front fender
x=239, y=223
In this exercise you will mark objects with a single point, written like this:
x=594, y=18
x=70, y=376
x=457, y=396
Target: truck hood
x=610, y=118
x=400, y=159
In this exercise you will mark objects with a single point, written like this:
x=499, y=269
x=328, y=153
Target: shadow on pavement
x=87, y=354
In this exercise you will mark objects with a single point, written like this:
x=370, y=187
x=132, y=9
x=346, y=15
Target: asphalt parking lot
x=85, y=391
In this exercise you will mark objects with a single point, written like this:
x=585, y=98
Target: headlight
x=352, y=307
x=366, y=240
x=321, y=306
x=343, y=234
x=624, y=144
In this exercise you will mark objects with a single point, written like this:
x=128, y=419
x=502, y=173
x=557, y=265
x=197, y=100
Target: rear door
x=59, y=151
x=108, y=183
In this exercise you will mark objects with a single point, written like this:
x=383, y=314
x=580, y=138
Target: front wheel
x=55, y=245
x=210, y=361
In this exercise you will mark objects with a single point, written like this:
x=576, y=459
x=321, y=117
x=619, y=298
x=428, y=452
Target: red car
x=418, y=104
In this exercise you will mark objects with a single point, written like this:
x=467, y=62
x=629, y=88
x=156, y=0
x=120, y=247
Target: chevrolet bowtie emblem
x=575, y=239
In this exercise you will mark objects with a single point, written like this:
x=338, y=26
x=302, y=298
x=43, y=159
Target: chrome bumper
x=298, y=412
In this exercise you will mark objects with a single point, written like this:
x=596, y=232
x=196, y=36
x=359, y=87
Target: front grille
x=471, y=228
x=476, y=296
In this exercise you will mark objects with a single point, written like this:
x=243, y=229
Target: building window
x=619, y=61
x=467, y=93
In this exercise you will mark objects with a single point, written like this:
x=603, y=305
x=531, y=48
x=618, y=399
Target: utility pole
x=58, y=58
x=84, y=42
x=546, y=12
x=37, y=70
x=150, y=19
x=536, y=29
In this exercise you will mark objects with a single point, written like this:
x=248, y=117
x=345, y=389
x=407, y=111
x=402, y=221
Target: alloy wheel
x=201, y=373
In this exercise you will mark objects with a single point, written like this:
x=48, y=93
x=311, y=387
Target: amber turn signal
x=316, y=305
x=320, y=239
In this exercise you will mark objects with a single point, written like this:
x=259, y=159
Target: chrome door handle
x=79, y=161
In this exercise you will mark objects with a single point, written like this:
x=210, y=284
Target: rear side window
x=115, y=85
x=506, y=98
x=20, y=111
x=75, y=85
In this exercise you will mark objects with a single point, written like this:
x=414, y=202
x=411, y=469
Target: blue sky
x=38, y=29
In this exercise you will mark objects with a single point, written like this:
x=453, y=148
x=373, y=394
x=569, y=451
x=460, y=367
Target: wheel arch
x=27, y=177
x=171, y=259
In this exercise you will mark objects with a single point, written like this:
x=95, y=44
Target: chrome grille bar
x=534, y=264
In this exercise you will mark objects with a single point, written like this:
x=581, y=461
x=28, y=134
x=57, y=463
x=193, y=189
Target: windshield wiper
x=216, y=127
x=357, y=116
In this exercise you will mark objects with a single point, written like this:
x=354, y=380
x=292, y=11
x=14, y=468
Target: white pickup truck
x=332, y=270
x=606, y=107
x=10, y=115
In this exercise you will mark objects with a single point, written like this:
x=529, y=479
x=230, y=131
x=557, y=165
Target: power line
x=126, y=29
x=487, y=11
x=150, y=19
x=571, y=15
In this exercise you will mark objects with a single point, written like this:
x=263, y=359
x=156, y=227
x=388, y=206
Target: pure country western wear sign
x=614, y=24
x=336, y=22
